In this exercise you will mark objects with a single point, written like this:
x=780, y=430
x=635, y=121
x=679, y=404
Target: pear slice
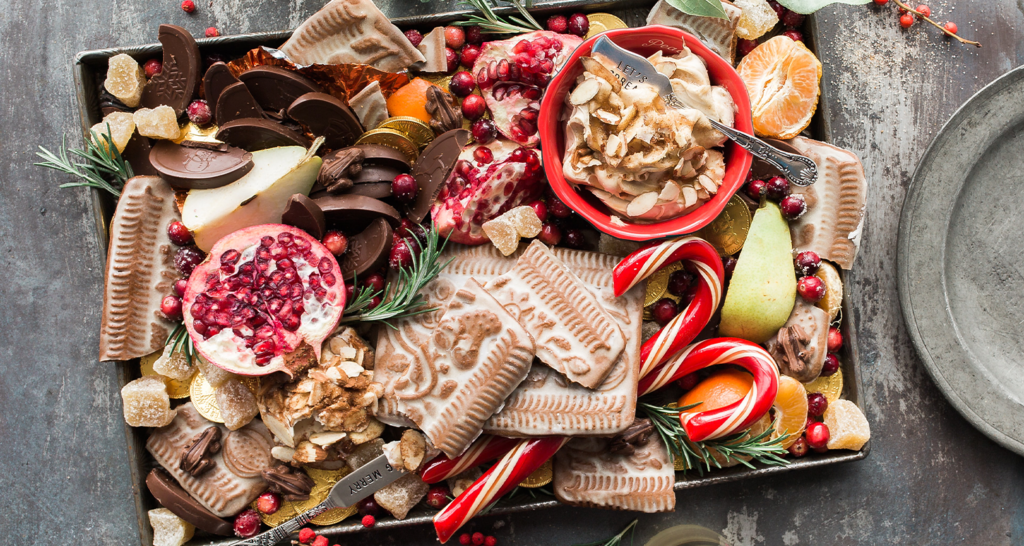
x=259, y=197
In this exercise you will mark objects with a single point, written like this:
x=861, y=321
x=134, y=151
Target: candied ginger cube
x=159, y=122
x=758, y=18
x=503, y=234
x=525, y=220
x=847, y=426
x=121, y=128
x=399, y=497
x=125, y=79
x=173, y=364
x=214, y=375
x=146, y=403
x=237, y=404
x=169, y=529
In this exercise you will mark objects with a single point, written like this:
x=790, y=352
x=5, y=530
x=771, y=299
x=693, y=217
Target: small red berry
x=401, y=254
x=558, y=208
x=793, y=206
x=756, y=188
x=188, y=6
x=368, y=506
x=777, y=188
x=881, y=2
x=468, y=55
x=465, y=539
x=817, y=435
x=688, y=381
x=574, y=239
x=268, y=503
x=187, y=259
x=404, y=188
x=179, y=234
x=474, y=35
x=906, y=20
x=664, y=311
x=350, y=293
x=153, y=67
x=924, y=10
x=729, y=265
x=807, y=262
x=579, y=24
x=794, y=35
x=199, y=112
x=336, y=242
x=798, y=448
x=369, y=521
x=831, y=365
x=306, y=535
x=179, y=287
x=414, y=37
x=170, y=306
x=816, y=404
x=540, y=209
x=745, y=47
x=454, y=37
x=950, y=27
x=320, y=541
x=375, y=282
x=679, y=282
x=792, y=19
x=437, y=497
x=779, y=10
x=490, y=541
x=452, y=58
x=473, y=107
x=557, y=23
x=478, y=539
x=901, y=10
x=212, y=32
x=550, y=234
x=483, y=131
x=810, y=288
x=463, y=83
x=247, y=524
x=374, y=302
x=835, y=339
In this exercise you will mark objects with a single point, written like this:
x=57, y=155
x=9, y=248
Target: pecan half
x=444, y=115
x=339, y=167
x=633, y=437
x=291, y=484
x=195, y=457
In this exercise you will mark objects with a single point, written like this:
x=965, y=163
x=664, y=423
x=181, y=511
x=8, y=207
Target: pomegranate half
x=264, y=300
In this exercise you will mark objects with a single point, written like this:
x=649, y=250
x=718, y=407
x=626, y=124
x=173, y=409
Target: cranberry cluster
x=576, y=23
x=185, y=260
x=681, y=284
x=461, y=45
x=477, y=539
x=777, y=189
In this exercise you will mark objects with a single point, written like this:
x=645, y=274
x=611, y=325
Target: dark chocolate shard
x=136, y=153
x=277, y=88
x=199, y=168
x=306, y=215
x=352, y=213
x=236, y=102
x=253, y=134
x=171, y=496
x=432, y=169
x=368, y=250
x=326, y=116
x=177, y=82
x=217, y=78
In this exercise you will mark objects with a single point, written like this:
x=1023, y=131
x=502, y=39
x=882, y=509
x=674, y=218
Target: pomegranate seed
x=437, y=497
x=777, y=188
x=170, y=306
x=756, y=188
x=474, y=35
x=153, y=67
x=483, y=155
x=550, y=234
x=558, y=23
x=729, y=265
x=798, y=448
x=558, y=209
x=816, y=404
x=688, y=381
x=212, y=32
x=462, y=84
x=807, y=262
x=817, y=435
x=404, y=188
x=579, y=24
x=268, y=503
x=679, y=282
x=336, y=242
x=574, y=239
x=473, y=107
x=810, y=288
x=484, y=131
x=835, y=339
x=247, y=524
x=906, y=20
x=414, y=37
x=664, y=311
x=831, y=365
x=924, y=10
x=540, y=209
x=188, y=6
x=451, y=58
x=794, y=35
x=502, y=70
x=179, y=234
x=792, y=19
x=469, y=55
x=950, y=27
x=199, y=112
x=454, y=37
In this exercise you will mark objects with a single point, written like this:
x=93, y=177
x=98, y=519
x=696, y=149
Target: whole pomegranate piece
x=179, y=234
x=268, y=503
x=437, y=497
x=454, y=37
x=336, y=242
x=579, y=24
x=468, y=55
x=170, y=306
x=756, y=188
x=153, y=67
x=247, y=524
x=474, y=35
x=414, y=37
x=264, y=300
x=810, y=288
x=483, y=131
x=798, y=448
x=404, y=188
x=831, y=365
x=835, y=339
x=777, y=188
x=462, y=84
x=816, y=404
x=793, y=206
x=473, y=107
x=550, y=234
x=558, y=23
x=199, y=112
x=187, y=259
x=817, y=435
x=664, y=310
x=451, y=58
x=807, y=262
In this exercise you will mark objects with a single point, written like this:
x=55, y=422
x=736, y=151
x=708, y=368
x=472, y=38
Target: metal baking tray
x=89, y=69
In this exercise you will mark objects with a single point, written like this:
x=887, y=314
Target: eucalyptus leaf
x=701, y=8
x=807, y=7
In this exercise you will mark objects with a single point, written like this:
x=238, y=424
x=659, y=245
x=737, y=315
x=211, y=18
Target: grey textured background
x=930, y=478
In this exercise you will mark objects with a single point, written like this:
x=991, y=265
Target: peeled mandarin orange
x=410, y=100
x=790, y=410
x=783, y=80
x=718, y=390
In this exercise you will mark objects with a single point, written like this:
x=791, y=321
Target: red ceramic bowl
x=645, y=41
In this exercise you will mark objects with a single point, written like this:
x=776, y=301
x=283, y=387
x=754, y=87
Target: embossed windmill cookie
x=588, y=474
x=234, y=478
x=718, y=34
x=140, y=270
x=351, y=31
x=574, y=334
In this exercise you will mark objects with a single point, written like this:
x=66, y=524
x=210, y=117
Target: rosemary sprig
x=735, y=447
x=492, y=23
x=617, y=539
x=104, y=168
x=180, y=341
x=400, y=298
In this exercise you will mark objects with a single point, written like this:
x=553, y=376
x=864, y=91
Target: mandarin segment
x=783, y=80
x=790, y=410
x=848, y=427
x=833, y=299
x=410, y=100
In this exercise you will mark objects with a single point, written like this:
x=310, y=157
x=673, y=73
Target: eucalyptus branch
x=104, y=168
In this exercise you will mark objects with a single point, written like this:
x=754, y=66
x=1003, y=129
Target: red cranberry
x=368, y=507
x=414, y=37
x=540, y=209
x=810, y=288
x=170, y=306
x=558, y=209
x=664, y=310
x=409, y=229
x=375, y=282
x=807, y=262
x=468, y=56
x=350, y=293
x=484, y=131
x=798, y=448
x=679, y=282
x=474, y=35
x=558, y=23
x=437, y=497
x=473, y=107
x=579, y=24
x=792, y=19
x=247, y=524
x=756, y=188
x=179, y=287
x=688, y=381
x=187, y=258
x=483, y=155
x=462, y=84
x=729, y=265
x=924, y=10
x=831, y=365
x=779, y=10
x=268, y=503
x=550, y=234
x=188, y=6
x=199, y=112
x=454, y=37
x=153, y=67
x=793, y=206
x=368, y=521
x=744, y=47
x=401, y=255
x=212, y=32
x=817, y=435
x=478, y=539
x=451, y=58
x=306, y=535
x=336, y=242
x=816, y=404
x=404, y=188
x=835, y=339
x=574, y=239
x=777, y=188
x=179, y=234
x=794, y=35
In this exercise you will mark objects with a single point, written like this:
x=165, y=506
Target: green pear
x=259, y=197
x=762, y=291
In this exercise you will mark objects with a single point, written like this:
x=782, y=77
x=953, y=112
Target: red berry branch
x=907, y=16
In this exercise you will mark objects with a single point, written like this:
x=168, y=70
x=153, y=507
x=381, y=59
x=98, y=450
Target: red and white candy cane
x=507, y=473
x=486, y=448
x=716, y=423
x=686, y=325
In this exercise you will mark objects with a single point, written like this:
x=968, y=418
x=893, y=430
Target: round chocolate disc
x=376, y=190
x=236, y=102
x=306, y=215
x=276, y=88
x=255, y=134
x=372, y=173
x=326, y=116
x=199, y=166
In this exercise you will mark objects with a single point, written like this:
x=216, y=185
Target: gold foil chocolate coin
x=204, y=398
x=323, y=481
x=540, y=477
x=831, y=386
x=392, y=139
x=600, y=22
x=657, y=284
x=176, y=390
x=420, y=133
x=728, y=231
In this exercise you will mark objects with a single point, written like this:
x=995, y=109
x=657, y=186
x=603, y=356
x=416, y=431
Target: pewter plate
x=961, y=262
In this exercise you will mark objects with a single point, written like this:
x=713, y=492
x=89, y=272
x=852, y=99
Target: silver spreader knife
x=632, y=69
x=361, y=483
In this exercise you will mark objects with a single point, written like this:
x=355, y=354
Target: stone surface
x=930, y=477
